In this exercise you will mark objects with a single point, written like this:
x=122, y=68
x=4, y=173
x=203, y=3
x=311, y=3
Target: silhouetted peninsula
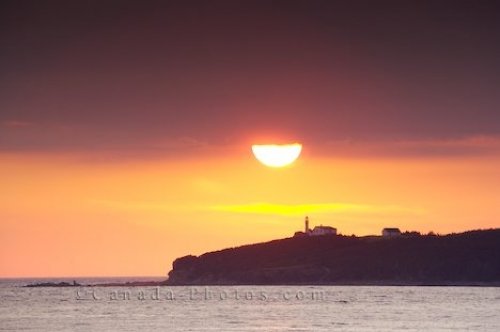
x=470, y=258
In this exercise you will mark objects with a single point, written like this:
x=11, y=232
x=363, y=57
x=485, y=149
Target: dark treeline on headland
x=470, y=258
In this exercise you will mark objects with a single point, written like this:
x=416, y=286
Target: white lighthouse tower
x=307, y=225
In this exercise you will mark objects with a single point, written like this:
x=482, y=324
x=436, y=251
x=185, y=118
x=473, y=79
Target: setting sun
x=274, y=155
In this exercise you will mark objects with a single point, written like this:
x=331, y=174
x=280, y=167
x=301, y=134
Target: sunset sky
x=126, y=128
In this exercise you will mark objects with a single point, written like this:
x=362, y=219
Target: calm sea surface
x=246, y=308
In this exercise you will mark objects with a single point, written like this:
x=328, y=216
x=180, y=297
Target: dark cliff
x=471, y=258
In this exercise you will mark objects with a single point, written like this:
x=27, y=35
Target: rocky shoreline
x=111, y=284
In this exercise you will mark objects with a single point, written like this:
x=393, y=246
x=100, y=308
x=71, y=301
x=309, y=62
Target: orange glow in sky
x=64, y=215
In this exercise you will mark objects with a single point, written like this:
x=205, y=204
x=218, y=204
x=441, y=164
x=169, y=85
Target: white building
x=391, y=232
x=318, y=230
x=323, y=230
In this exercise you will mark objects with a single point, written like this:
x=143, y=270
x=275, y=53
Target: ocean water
x=247, y=308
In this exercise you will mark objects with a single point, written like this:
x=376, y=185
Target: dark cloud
x=128, y=74
x=467, y=147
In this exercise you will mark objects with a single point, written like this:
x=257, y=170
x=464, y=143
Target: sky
x=126, y=127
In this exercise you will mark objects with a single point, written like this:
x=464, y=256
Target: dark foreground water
x=247, y=308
